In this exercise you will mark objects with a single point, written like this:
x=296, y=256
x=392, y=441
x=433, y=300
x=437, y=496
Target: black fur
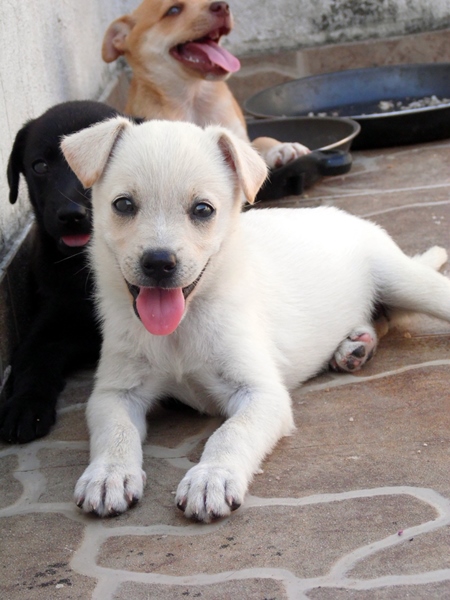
x=64, y=334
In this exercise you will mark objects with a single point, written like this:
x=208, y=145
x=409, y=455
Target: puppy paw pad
x=357, y=349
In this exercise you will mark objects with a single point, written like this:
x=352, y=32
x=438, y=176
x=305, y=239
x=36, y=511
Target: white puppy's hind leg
x=360, y=345
x=358, y=348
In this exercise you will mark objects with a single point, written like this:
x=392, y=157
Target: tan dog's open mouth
x=161, y=309
x=206, y=55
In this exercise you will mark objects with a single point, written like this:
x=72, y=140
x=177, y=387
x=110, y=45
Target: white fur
x=282, y=288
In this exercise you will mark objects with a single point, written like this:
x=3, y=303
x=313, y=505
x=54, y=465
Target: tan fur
x=163, y=88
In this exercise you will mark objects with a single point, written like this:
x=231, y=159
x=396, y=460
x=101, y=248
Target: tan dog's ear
x=114, y=41
x=250, y=168
x=88, y=150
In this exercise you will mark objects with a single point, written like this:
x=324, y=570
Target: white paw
x=355, y=350
x=285, y=153
x=209, y=492
x=109, y=489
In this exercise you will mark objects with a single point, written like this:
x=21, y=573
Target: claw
x=132, y=501
x=214, y=516
x=233, y=504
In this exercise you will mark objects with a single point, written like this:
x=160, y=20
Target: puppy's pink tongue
x=76, y=240
x=160, y=310
x=216, y=55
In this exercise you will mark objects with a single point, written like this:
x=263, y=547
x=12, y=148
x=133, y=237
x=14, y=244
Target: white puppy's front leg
x=233, y=454
x=114, y=479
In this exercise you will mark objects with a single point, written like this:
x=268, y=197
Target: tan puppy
x=179, y=68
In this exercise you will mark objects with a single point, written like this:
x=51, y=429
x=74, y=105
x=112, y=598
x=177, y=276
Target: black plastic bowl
x=329, y=140
x=317, y=133
x=356, y=93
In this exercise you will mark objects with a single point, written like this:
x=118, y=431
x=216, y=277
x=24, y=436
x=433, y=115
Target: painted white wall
x=50, y=52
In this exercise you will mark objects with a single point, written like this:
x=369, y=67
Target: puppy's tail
x=404, y=320
x=434, y=257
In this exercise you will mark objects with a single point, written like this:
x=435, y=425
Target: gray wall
x=49, y=52
x=265, y=25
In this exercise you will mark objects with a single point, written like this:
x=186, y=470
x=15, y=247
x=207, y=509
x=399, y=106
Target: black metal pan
x=357, y=93
x=329, y=140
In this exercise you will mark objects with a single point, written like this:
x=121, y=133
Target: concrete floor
x=355, y=505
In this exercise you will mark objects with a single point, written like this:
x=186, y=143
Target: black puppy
x=64, y=334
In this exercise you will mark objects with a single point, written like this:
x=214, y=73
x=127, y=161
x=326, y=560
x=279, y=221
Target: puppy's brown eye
x=40, y=167
x=202, y=210
x=174, y=10
x=124, y=206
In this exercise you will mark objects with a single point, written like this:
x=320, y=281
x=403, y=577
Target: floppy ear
x=15, y=163
x=114, y=41
x=247, y=164
x=88, y=150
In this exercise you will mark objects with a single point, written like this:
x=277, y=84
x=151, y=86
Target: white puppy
x=223, y=310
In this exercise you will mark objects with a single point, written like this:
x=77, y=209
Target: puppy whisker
x=83, y=195
x=57, y=262
x=81, y=270
x=88, y=208
x=88, y=277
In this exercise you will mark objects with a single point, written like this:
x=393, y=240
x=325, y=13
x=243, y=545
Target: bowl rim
x=355, y=126
x=436, y=66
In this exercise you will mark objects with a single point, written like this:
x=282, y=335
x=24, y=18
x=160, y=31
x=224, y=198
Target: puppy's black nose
x=221, y=8
x=158, y=264
x=71, y=213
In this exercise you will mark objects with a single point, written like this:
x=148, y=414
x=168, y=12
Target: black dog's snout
x=71, y=213
x=221, y=8
x=158, y=264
